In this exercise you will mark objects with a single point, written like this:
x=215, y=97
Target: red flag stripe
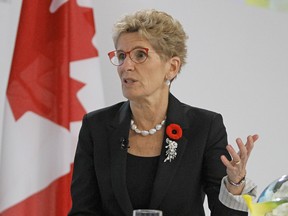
x=46, y=43
x=54, y=200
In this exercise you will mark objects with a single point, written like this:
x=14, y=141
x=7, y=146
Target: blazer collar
x=119, y=130
x=167, y=170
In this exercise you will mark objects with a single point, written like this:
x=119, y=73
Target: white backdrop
x=237, y=65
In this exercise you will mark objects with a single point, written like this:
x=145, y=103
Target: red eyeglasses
x=137, y=55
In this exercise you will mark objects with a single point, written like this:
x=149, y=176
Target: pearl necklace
x=147, y=132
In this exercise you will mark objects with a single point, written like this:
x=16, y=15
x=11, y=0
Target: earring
x=168, y=82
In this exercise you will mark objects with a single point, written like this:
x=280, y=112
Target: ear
x=174, y=67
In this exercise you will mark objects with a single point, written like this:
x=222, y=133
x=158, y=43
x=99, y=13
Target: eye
x=139, y=55
x=121, y=56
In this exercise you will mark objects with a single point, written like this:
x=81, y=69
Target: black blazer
x=99, y=177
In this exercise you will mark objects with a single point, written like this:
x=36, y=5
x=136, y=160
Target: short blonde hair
x=165, y=34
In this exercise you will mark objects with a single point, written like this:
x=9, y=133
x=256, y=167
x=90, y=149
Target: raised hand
x=236, y=168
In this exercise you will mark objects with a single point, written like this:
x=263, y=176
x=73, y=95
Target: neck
x=147, y=114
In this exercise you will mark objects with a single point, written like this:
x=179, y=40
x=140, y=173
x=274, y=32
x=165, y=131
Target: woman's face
x=143, y=80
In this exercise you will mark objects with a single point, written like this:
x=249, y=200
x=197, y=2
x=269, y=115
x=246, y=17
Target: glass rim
x=113, y=52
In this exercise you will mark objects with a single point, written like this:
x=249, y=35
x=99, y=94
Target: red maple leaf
x=46, y=43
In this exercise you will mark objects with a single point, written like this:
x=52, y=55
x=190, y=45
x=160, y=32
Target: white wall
x=237, y=65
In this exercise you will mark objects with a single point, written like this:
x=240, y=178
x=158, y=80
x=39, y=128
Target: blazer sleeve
x=84, y=188
x=214, y=170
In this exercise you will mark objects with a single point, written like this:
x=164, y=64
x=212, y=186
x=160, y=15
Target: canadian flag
x=54, y=80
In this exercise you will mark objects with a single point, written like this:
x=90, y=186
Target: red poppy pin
x=174, y=132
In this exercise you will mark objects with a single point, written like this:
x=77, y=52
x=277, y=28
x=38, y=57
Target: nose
x=127, y=63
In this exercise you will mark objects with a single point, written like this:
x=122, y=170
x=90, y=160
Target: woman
x=153, y=151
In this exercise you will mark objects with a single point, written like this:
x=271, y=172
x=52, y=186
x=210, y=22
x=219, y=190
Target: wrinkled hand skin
x=236, y=168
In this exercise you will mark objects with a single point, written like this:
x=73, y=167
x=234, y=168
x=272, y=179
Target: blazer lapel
x=119, y=130
x=167, y=170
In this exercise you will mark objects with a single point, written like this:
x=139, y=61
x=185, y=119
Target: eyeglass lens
x=137, y=55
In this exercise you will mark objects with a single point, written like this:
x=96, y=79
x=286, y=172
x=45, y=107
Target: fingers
x=236, y=160
x=242, y=155
x=226, y=162
x=236, y=168
x=250, y=143
x=242, y=149
x=255, y=137
x=235, y=156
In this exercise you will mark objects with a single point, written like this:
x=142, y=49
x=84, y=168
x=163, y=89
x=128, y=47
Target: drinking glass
x=147, y=212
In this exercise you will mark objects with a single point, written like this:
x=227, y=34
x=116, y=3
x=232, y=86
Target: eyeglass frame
x=128, y=53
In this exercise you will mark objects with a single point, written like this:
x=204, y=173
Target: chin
x=131, y=96
x=128, y=95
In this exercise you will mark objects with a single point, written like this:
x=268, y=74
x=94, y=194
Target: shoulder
x=176, y=106
x=185, y=113
x=189, y=116
x=199, y=113
x=199, y=110
x=204, y=118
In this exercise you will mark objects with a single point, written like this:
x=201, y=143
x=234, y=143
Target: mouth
x=129, y=81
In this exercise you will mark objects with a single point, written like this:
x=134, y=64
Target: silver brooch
x=171, y=151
